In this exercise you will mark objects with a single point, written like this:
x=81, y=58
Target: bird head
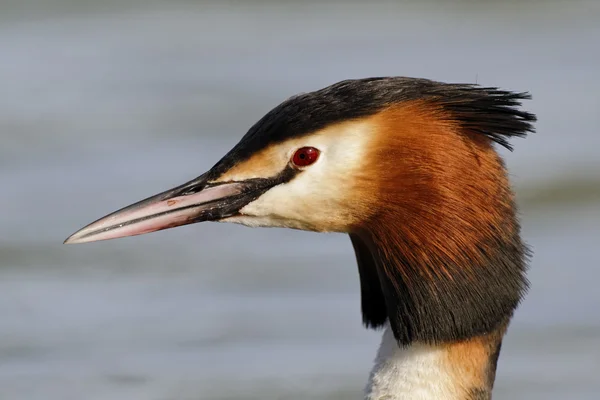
x=406, y=166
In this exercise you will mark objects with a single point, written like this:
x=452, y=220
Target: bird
x=408, y=168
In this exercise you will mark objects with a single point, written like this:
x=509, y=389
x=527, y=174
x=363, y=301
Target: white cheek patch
x=313, y=198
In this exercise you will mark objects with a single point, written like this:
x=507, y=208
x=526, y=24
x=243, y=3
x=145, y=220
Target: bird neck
x=462, y=370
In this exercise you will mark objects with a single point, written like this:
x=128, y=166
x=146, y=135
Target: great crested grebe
x=407, y=167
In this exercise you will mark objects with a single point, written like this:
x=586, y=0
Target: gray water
x=102, y=104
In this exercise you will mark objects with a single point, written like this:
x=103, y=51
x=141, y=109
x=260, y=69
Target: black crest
x=489, y=111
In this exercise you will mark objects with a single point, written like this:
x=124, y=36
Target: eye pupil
x=305, y=156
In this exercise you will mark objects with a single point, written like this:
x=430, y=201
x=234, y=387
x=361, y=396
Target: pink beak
x=195, y=201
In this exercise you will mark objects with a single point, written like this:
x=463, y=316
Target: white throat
x=416, y=372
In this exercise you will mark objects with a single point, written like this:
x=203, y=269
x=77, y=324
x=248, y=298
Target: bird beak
x=195, y=201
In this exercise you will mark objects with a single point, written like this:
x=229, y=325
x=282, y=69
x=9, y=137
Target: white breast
x=417, y=372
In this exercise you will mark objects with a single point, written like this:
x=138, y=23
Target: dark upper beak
x=195, y=201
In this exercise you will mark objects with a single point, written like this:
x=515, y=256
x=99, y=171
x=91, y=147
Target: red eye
x=305, y=156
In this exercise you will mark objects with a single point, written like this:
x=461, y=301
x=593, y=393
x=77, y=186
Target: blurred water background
x=103, y=103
